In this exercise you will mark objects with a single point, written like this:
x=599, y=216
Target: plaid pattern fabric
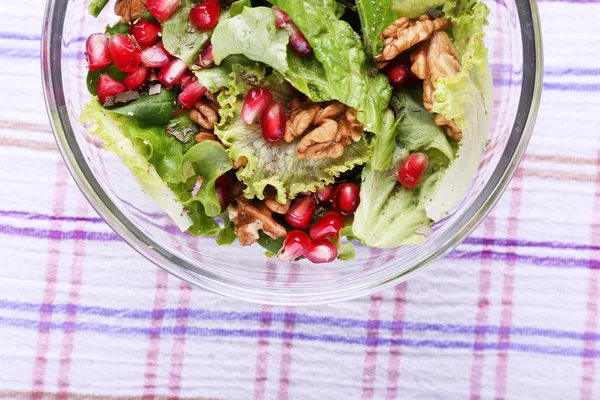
x=511, y=314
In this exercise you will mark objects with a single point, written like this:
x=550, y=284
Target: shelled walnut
x=251, y=216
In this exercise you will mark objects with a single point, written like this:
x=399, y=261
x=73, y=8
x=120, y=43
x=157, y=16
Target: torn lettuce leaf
x=253, y=34
x=181, y=37
x=96, y=7
x=274, y=164
x=375, y=16
x=466, y=98
x=414, y=8
x=217, y=77
x=238, y=6
x=155, y=110
x=111, y=128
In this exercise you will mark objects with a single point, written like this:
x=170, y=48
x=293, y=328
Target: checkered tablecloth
x=511, y=314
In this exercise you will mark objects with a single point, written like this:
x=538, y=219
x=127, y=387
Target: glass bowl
x=514, y=42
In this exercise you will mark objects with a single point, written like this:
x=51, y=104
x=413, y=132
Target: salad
x=301, y=125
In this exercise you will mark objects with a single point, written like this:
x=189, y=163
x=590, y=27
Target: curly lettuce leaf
x=339, y=49
x=466, y=98
x=375, y=16
x=383, y=145
x=274, y=164
x=414, y=8
x=253, y=34
x=111, y=128
x=217, y=77
x=209, y=161
x=181, y=37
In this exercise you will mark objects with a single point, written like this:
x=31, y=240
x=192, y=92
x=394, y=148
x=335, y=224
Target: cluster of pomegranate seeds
x=107, y=86
x=301, y=213
x=255, y=103
x=346, y=199
x=273, y=121
x=206, y=14
x=206, y=58
x=162, y=9
x=399, y=73
x=146, y=32
x=124, y=53
x=97, y=52
x=298, y=41
x=411, y=169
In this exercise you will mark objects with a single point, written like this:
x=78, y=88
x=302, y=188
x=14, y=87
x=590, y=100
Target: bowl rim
x=527, y=111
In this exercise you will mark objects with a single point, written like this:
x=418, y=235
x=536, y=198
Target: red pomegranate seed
x=162, y=46
x=256, y=101
x=273, y=122
x=301, y=213
x=222, y=186
x=162, y=9
x=322, y=251
x=124, y=53
x=107, y=86
x=346, y=199
x=136, y=79
x=146, y=32
x=399, y=73
x=206, y=59
x=154, y=57
x=296, y=244
x=186, y=79
x=206, y=14
x=172, y=73
x=281, y=18
x=328, y=226
x=298, y=41
x=324, y=195
x=191, y=94
x=411, y=169
x=97, y=52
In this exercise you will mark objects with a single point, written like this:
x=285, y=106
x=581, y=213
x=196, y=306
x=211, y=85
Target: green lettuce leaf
x=155, y=110
x=339, y=49
x=414, y=8
x=238, y=6
x=274, y=164
x=181, y=37
x=383, y=145
x=466, y=98
x=375, y=16
x=110, y=128
x=96, y=7
x=209, y=161
x=218, y=76
x=253, y=34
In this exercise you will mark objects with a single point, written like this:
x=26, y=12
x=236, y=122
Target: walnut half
x=250, y=217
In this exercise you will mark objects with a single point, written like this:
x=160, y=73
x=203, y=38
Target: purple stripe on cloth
x=59, y=234
x=280, y=334
x=528, y=243
x=42, y=217
x=207, y=315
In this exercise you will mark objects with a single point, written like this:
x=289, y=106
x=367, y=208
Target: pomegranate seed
x=298, y=41
x=328, y=226
x=186, y=79
x=162, y=9
x=301, y=213
x=206, y=59
x=124, y=53
x=191, y=94
x=206, y=14
x=399, y=73
x=296, y=244
x=162, y=46
x=107, y=86
x=172, y=73
x=136, y=79
x=154, y=57
x=322, y=251
x=273, y=122
x=346, y=199
x=97, y=52
x=281, y=18
x=324, y=195
x=146, y=32
x=411, y=169
x=256, y=101
x=222, y=186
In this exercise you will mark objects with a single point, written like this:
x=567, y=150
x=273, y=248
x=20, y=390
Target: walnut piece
x=206, y=136
x=404, y=34
x=205, y=114
x=251, y=216
x=240, y=162
x=130, y=10
x=301, y=121
x=278, y=208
